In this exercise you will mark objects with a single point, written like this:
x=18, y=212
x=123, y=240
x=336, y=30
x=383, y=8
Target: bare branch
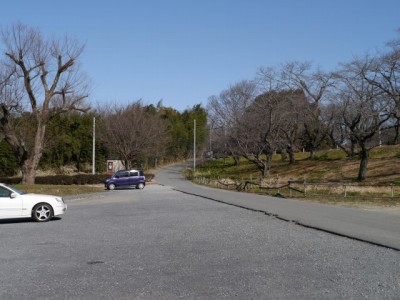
x=51, y=78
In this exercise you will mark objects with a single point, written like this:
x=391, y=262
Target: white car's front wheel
x=42, y=212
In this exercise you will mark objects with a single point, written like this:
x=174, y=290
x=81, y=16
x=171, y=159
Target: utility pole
x=194, y=145
x=211, y=132
x=94, y=144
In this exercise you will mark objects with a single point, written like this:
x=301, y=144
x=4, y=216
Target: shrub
x=79, y=179
x=10, y=180
x=8, y=163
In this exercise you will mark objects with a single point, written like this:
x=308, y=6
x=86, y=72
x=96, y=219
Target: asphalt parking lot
x=159, y=243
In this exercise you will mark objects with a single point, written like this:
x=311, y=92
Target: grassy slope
x=332, y=165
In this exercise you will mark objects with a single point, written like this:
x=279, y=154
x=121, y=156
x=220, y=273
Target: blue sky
x=185, y=51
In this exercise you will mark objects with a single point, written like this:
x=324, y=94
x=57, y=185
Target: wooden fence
x=305, y=189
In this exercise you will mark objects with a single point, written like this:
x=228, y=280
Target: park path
x=372, y=226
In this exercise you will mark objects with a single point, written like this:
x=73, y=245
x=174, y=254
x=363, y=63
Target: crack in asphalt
x=293, y=221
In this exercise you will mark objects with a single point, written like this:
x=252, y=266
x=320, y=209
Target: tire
x=42, y=212
x=140, y=186
x=111, y=186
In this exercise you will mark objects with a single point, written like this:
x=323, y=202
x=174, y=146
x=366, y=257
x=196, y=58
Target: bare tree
x=256, y=127
x=259, y=134
x=52, y=83
x=383, y=72
x=315, y=86
x=132, y=133
x=252, y=127
x=363, y=110
x=337, y=132
x=294, y=108
x=226, y=111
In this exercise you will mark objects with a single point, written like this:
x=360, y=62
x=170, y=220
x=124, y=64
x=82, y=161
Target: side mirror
x=13, y=195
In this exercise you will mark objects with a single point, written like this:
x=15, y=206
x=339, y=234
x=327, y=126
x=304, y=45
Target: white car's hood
x=34, y=196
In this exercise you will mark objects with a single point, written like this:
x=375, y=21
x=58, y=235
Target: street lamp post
x=194, y=145
x=94, y=149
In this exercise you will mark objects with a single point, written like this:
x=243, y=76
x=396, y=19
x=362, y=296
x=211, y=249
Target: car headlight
x=59, y=199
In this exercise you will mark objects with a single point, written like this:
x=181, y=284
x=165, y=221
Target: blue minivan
x=126, y=179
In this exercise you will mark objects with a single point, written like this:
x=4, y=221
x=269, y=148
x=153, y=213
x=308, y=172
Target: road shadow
x=25, y=220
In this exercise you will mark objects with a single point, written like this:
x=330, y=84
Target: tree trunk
x=396, y=136
x=127, y=164
x=362, y=172
x=352, y=148
x=78, y=163
x=313, y=153
x=267, y=165
x=284, y=154
x=28, y=172
x=30, y=165
x=237, y=160
x=292, y=159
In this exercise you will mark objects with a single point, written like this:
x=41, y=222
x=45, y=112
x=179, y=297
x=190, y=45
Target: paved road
x=159, y=243
x=370, y=226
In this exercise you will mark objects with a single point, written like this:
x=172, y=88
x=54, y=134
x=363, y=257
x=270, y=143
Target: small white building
x=114, y=165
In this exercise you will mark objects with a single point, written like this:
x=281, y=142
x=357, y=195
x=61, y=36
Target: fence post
x=305, y=189
x=345, y=192
x=392, y=189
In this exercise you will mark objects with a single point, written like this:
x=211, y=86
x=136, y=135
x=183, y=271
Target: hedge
x=79, y=179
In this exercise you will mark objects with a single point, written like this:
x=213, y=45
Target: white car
x=17, y=204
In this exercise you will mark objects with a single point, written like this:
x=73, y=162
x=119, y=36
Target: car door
x=133, y=178
x=9, y=206
x=123, y=179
